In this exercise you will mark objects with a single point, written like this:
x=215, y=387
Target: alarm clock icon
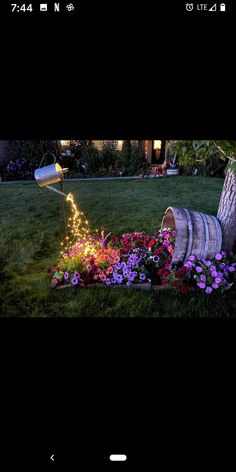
x=222, y=7
x=43, y=7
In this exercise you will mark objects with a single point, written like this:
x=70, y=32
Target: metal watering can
x=52, y=174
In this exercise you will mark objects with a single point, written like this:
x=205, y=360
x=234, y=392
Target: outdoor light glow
x=65, y=143
x=119, y=144
x=157, y=145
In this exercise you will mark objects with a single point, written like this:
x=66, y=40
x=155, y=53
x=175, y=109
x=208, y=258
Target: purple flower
x=113, y=280
x=218, y=280
x=214, y=273
x=198, y=269
x=192, y=258
x=129, y=282
x=155, y=258
x=208, y=290
x=66, y=275
x=215, y=286
x=201, y=284
x=231, y=269
x=76, y=275
x=208, y=263
x=142, y=277
x=222, y=265
x=74, y=281
x=119, y=279
x=203, y=277
x=218, y=256
x=108, y=282
x=123, y=265
x=166, y=243
x=188, y=265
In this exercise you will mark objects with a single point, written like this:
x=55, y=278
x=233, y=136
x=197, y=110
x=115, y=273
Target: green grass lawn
x=32, y=229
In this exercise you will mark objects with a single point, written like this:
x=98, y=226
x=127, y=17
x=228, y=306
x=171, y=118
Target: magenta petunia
x=192, y=258
x=199, y=269
x=201, y=285
x=218, y=256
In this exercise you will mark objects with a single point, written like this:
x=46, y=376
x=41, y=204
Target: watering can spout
x=56, y=190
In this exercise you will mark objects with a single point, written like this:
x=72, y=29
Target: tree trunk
x=227, y=211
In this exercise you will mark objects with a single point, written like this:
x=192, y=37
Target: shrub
x=25, y=157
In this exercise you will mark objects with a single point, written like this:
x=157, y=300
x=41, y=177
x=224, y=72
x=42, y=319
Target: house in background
x=155, y=150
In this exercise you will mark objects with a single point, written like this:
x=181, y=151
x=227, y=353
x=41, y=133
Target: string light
x=78, y=230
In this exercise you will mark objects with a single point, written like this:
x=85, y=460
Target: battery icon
x=222, y=7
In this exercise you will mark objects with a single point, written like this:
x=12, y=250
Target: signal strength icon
x=213, y=8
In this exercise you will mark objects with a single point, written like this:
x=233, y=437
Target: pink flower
x=116, y=260
x=102, y=276
x=192, y=258
x=167, y=235
x=109, y=270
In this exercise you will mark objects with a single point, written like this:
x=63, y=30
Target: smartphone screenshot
x=117, y=235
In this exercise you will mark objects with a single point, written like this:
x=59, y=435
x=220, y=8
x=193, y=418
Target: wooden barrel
x=196, y=233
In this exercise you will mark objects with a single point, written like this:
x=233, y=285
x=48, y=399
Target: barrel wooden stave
x=196, y=233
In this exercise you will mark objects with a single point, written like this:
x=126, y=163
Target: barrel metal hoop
x=206, y=246
x=190, y=232
x=218, y=232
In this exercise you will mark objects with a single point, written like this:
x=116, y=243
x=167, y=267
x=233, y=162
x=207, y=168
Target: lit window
x=157, y=145
x=65, y=143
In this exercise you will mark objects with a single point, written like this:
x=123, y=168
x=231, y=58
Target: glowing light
x=77, y=230
x=157, y=145
x=65, y=143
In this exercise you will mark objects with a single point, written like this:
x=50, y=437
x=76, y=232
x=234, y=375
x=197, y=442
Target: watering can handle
x=46, y=155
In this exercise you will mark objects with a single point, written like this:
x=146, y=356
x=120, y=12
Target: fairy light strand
x=78, y=229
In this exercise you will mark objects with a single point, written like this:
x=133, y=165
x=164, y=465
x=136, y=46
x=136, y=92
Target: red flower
x=152, y=242
x=160, y=250
x=164, y=283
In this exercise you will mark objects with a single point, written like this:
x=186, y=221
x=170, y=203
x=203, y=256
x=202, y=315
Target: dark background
x=158, y=390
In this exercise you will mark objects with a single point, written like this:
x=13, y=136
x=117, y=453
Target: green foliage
x=204, y=155
x=137, y=163
x=109, y=159
x=125, y=154
x=91, y=160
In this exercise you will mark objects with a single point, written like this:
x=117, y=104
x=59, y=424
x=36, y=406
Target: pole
x=64, y=214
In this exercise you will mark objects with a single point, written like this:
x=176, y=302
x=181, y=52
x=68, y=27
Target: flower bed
x=140, y=260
